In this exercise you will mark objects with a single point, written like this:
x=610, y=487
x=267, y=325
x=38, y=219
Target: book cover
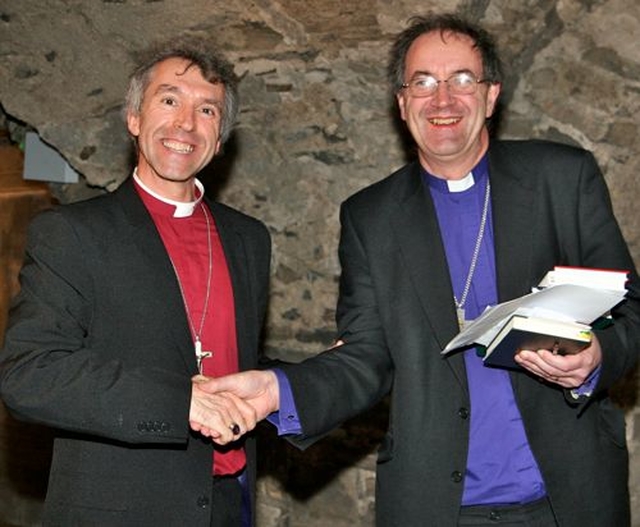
x=613, y=280
x=533, y=333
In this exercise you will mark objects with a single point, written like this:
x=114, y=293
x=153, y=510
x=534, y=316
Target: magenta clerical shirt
x=183, y=229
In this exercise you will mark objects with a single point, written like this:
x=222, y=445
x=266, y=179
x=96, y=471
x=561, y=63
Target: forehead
x=178, y=74
x=447, y=52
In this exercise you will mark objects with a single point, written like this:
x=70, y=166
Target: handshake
x=225, y=408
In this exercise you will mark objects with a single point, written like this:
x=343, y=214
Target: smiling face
x=177, y=128
x=449, y=130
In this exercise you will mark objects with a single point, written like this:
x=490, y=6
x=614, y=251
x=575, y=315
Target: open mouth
x=177, y=146
x=442, y=121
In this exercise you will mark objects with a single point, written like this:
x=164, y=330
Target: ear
x=492, y=98
x=402, y=100
x=133, y=123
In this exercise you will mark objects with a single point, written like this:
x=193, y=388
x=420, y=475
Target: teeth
x=450, y=120
x=178, y=147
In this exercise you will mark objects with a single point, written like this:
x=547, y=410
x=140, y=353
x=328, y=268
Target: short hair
x=444, y=23
x=199, y=53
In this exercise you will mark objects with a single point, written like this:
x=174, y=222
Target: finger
x=214, y=384
x=203, y=430
x=216, y=414
x=200, y=379
x=532, y=362
x=230, y=417
x=242, y=414
x=548, y=373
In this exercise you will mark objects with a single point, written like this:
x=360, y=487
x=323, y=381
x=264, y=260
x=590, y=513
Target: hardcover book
x=534, y=333
x=572, y=298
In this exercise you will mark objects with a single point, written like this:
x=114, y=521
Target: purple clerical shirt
x=500, y=467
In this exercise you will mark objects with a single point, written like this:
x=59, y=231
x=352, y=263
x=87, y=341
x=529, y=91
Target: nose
x=442, y=97
x=185, y=119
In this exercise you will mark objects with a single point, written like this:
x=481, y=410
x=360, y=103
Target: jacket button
x=456, y=476
x=494, y=516
x=463, y=413
x=203, y=502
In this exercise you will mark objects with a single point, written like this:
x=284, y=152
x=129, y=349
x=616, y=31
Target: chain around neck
x=197, y=332
x=476, y=250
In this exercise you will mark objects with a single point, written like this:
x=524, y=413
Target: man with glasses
x=473, y=222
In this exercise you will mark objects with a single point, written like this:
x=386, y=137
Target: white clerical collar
x=460, y=185
x=182, y=209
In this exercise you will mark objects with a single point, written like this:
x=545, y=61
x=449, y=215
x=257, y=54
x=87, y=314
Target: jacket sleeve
x=342, y=382
x=602, y=245
x=54, y=373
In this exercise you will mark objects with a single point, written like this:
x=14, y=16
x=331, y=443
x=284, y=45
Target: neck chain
x=196, y=333
x=474, y=259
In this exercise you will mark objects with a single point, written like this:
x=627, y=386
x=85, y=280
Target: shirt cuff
x=286, y=419
x=587, y=387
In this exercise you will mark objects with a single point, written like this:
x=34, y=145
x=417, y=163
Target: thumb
x=214, y=384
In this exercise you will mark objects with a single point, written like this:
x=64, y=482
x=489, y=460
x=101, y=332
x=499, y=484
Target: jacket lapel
x=416, y=228
x=514, y=203
x=150, y=253
x=234, y=248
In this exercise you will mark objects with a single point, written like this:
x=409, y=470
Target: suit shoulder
x=388, y=189
x=83, y=211
x=240, y=219
x=538, y=148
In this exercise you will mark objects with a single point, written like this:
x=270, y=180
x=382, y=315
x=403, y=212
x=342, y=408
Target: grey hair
x=199, y=53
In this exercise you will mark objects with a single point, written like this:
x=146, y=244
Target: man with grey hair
x=128, y=301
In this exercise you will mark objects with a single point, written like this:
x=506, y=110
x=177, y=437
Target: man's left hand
x=568, y=371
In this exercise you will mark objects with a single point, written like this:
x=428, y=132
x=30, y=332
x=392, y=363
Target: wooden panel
x=25, y=450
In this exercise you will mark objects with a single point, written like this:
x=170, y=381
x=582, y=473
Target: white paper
x=565, y=301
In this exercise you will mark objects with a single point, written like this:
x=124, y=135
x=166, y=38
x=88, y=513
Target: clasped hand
x=225, y=408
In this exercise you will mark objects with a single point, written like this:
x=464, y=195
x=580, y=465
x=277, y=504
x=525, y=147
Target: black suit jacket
x=99, y=347
x=396, y=313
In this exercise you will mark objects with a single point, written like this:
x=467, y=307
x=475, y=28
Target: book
x=533, y=333
x=598, y=278
x=569, y=295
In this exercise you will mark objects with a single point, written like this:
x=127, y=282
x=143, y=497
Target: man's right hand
x=223, y=417
x=258, y=389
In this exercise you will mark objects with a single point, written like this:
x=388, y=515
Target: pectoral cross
x=200, y=355
x=460, y=315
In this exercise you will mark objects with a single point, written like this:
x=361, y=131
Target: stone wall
x=316, y=125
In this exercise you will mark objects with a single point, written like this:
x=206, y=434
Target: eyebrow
x=171, y=88
x=424, y=73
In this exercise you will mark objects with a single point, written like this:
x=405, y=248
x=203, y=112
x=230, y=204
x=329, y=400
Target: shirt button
x=203, y=502
x=456, y=476
x=463, y=413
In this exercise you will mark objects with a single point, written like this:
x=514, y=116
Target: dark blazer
x=550, y=206
x=99, y=347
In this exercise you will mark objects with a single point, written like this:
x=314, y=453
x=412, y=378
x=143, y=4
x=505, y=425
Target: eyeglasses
x=460, y=83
